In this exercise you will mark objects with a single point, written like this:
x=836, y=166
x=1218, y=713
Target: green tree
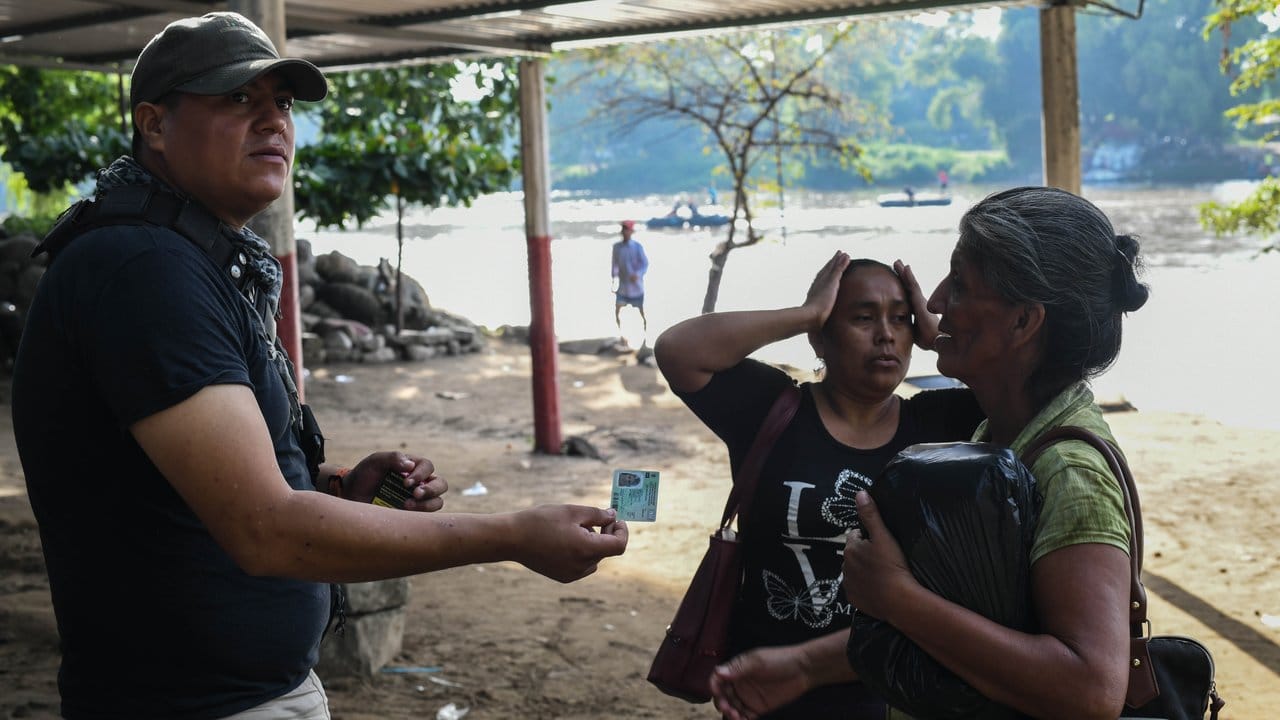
x=763, y=99
x=441, y=134
x=1253, y=65
x=56, y=128
x=434, y=135
x=1152, y=76
x=954, y=64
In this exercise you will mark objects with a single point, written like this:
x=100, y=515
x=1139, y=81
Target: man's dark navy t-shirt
x=155, y=619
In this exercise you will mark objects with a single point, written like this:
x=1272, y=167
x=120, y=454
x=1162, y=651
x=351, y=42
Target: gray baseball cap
x=215, y=54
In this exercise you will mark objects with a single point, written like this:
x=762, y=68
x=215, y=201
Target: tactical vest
x=153, y=205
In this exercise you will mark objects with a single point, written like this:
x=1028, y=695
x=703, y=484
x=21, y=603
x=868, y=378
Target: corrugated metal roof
x=108, y=34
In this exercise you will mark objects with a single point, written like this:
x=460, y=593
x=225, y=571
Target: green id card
x=635, y=495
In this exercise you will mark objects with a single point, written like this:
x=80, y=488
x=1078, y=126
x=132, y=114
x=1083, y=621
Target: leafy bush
x=38, y=225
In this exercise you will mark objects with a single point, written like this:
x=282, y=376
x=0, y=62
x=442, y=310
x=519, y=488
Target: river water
x=1206, y=342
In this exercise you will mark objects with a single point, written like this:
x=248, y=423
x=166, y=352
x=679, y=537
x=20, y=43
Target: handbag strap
x=744, y=480
x=1132, y=510
x=1142, y=681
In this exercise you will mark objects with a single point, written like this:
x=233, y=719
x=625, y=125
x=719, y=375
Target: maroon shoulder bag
x=698, y=637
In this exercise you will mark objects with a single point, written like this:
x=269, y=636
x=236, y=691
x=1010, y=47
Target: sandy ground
x=508, y=643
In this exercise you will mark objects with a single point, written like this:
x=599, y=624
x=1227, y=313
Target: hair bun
x=1128, y=292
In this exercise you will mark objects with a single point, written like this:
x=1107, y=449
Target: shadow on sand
x=1255, y=644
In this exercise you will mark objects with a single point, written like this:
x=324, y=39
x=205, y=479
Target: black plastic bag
x=964, y=514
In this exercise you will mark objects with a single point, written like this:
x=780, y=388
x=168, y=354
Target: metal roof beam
x=887, y=8
x=405, y=58
x=74, y=22
x=47, y=63
x=458, y=13
x=302, y=26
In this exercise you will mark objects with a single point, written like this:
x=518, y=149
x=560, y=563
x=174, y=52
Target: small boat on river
x=902, y=199
x=686, y=214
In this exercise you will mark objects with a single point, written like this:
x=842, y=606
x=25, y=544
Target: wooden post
x=1060, y=95
x=275, y=224
x=537, y=225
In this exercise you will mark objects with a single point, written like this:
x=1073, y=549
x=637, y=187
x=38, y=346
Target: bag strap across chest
x=149, y=205
x=748, y=473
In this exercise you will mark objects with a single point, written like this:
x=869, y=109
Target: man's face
x=231, y=152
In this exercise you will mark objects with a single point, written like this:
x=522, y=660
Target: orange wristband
x=335, y=481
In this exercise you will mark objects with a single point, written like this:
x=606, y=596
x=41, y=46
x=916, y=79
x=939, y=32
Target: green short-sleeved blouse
x=1082, y=502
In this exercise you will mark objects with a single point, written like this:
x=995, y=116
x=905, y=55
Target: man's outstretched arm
x=214, y=448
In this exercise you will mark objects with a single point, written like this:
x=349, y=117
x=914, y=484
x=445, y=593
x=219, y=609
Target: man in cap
x=159, y=428
x=629, y=266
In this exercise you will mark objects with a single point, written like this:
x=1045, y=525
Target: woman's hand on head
x=875, y=570
x=925, y=323
x=822, y=292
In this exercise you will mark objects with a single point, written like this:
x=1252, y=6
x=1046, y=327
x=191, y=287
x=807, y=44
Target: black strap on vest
x=149, y=205
x=154, y=205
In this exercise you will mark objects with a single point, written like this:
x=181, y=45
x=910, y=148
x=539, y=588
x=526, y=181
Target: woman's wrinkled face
x=867, y=340
x=974, y=327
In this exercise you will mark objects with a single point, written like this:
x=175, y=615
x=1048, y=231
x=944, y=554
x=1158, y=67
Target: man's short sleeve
x=735, y=401
x=158, y=325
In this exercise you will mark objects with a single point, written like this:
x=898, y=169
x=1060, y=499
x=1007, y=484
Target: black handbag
x=1170, y=676
x=698, y=637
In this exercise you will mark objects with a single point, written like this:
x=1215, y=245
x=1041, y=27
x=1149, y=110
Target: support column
x=537, y=212
x=1060, y=95
x=275, y=224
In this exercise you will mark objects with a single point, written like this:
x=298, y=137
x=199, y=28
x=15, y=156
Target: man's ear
x=1027, y=322
x=148, y=119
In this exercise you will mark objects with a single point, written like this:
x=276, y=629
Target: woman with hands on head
x=790, y=623
x=1031, y=309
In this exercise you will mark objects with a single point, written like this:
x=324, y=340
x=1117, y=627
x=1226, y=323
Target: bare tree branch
x=730, y=87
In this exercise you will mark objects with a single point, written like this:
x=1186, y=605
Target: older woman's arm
x=1075, y=667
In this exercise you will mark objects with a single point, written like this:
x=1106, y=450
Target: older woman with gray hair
x=1031, y=309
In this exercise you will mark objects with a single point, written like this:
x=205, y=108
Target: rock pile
x=348, y=310
x=19, y=275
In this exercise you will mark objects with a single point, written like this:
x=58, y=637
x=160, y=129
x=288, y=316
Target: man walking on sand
x=189, y=528
x=629, y=266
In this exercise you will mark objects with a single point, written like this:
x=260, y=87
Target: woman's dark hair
x=1045, y=245
x=853, y=266
x=856, y=263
